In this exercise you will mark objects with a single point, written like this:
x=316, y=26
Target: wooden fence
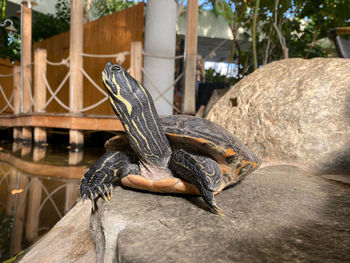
x=6, y=85
x=109, y=35
x=44, y=99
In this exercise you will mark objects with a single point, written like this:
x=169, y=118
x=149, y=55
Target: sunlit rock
x=293, y=111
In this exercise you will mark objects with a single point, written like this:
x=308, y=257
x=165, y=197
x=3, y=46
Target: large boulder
x=277, y=214
x=293, y=111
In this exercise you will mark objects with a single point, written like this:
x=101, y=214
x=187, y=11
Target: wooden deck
x=63, y=121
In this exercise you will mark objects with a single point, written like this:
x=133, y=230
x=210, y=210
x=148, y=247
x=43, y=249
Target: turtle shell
x=198, y=136
x=203, y=136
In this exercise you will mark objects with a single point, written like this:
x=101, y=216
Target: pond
x=38, y=186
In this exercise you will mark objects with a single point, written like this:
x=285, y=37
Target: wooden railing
x=42, y=94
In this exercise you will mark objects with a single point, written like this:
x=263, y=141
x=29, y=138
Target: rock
x=68, y=241
x=215, y=96
x=293, y=111
x=276, y=214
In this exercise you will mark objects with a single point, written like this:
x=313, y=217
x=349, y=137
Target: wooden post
x=25, y=149
x=26, y=61
x=191, y=56
x=76, y=137
x=26, y=135
x=39, y=91
x=39, y=153
x=20, y=211
x=17, y=132
x=72, y=193
x=136, y=60
x=10, y=197
x=16, y=146
x=75, y=157
x=33, y=208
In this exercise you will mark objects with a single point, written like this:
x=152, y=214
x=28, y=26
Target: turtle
x=180, y=154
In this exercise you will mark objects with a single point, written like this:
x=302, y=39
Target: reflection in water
x=26, y=150
x=16, y=146
x=39, y=153
x=35, y=193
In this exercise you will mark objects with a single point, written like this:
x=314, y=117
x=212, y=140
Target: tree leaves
x=107, y=7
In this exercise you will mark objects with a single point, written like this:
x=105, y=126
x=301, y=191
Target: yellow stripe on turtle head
x=121, y=98
x=112, y=102
x=106, y=85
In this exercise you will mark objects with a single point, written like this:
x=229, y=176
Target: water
x=38, y=186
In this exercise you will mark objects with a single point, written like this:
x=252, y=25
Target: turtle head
x=118, y=82
x=124, y=91
x=134, y=106
x=127, y=96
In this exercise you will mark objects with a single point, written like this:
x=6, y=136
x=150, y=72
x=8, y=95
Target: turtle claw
x=217, y=209
x=111, y=195
x=104, y=197
x=210, y=200
x=208, y=197
x=91, y=191
x=93, y=204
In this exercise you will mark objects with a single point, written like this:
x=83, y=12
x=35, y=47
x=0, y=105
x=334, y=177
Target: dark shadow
x=340, y=163
x=297, y=238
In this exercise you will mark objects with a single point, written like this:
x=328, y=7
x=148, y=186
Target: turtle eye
x=116, y=68
x=231, y=159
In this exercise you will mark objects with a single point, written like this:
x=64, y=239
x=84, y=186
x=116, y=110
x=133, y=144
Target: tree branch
x=267, y=52
x=312, y=42
x=256, y=11
x=179, y=9
x=87, y=10
x=279, y=33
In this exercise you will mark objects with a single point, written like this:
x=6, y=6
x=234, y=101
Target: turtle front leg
x=100, y=176
x=202, y=172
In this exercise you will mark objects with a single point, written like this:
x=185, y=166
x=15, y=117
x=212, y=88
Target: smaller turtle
x=174, y=154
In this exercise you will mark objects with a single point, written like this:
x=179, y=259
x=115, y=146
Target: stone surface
x=68, y=241
x=215, y=96
x=293, y=111
x=276, y=214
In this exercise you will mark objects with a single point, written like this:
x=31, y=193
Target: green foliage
x=13, y=259
x=2, y=9
x=301, y=23
x=10, y=43
x=63, y=11
x=326, y=14
x=44, y=26
x=224, y=9
x=6, y=225
x=212, y=76
x=47, y=25
x=107, y=7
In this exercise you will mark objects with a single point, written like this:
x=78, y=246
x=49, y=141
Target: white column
x=160, y=39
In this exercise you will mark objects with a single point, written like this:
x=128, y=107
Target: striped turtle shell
x=203, y=137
